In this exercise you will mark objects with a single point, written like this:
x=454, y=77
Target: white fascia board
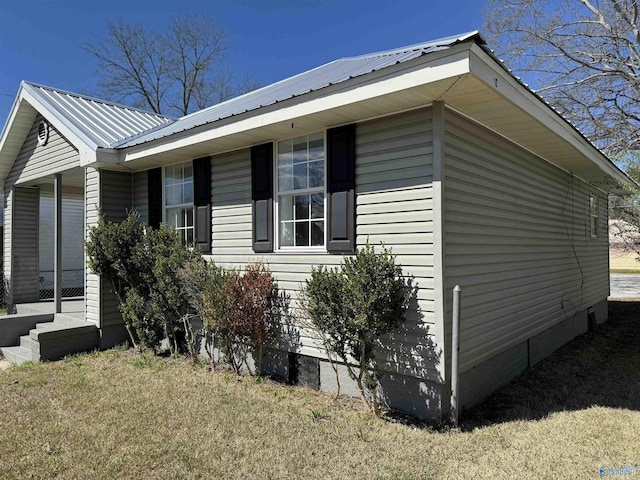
x=6, y=167
x=457, y=64
x=102, y=155
x=487, y=69
x=10, y=120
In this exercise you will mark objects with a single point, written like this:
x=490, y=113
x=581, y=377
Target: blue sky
x=269, y=40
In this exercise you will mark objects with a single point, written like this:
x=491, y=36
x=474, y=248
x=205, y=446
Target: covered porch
x=46, y=253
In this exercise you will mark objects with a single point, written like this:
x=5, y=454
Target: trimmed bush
x=143, y=267
x=353, y=306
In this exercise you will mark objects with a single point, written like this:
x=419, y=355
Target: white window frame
x=165, y=207
x=306, y=191
x=594, y=218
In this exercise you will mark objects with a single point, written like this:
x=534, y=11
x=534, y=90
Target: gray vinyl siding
x=35, y=161
x=8, y=237
x=92, y=281
x=116, y=194
x=141, y=195
x=116, y=198
x=516, y=240
x=25, y=245
x=394, y=205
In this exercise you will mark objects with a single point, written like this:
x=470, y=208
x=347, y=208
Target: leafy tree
x=354, y=306
x=172, y=73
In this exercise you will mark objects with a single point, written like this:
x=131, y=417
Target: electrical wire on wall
x=570, y=195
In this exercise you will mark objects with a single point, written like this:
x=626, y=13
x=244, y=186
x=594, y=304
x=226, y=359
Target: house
x=435, y=149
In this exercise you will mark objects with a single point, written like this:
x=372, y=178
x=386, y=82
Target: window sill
x=301, y=250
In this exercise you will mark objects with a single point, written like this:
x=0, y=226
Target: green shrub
x=354, y=306
x=161, y=285
x=203, y=282
x=110, y=254
x=143, y=267
x=169, y=300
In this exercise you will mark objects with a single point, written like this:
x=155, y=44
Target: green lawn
x=118, y=415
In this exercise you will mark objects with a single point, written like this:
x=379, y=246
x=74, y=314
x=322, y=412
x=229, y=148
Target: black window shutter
x=202, y=202
x=341, y=182
x=262, y=197
x=154, y=190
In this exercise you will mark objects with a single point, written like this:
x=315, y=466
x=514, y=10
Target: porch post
x=57, y=243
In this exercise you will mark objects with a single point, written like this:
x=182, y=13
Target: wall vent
x=43, y=133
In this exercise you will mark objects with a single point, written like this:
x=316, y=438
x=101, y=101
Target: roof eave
x=421, y=71
x=489, y=69
x=26, y=95
x=7, y=154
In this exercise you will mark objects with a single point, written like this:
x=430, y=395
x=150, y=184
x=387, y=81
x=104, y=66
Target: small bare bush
x=253, y=313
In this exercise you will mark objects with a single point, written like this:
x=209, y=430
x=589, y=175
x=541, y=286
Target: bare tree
x=172, y=73
x=196, y=45
x=582, y=56
x=132, y=65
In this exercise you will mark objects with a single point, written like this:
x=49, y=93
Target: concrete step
x=13, y=326
x=56, y=329
x=27, y=342
x=17, y=355
x=62, y=324
x=46, y=337
x=56, y=339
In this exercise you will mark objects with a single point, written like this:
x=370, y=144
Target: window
x=178, y=200
x=593, y=214
x=301, y=192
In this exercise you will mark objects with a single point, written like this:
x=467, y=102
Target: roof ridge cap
x=448, y=41
x=93, y=99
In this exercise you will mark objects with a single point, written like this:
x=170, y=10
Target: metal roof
x=312, y=80
x=103, y=123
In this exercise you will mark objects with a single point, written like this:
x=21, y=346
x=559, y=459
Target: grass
x=119, y=415
x=625, y=270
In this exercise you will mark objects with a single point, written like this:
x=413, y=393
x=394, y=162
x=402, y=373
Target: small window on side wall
x=593, y=216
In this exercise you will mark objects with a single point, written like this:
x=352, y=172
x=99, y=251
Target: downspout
x=455, y=350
